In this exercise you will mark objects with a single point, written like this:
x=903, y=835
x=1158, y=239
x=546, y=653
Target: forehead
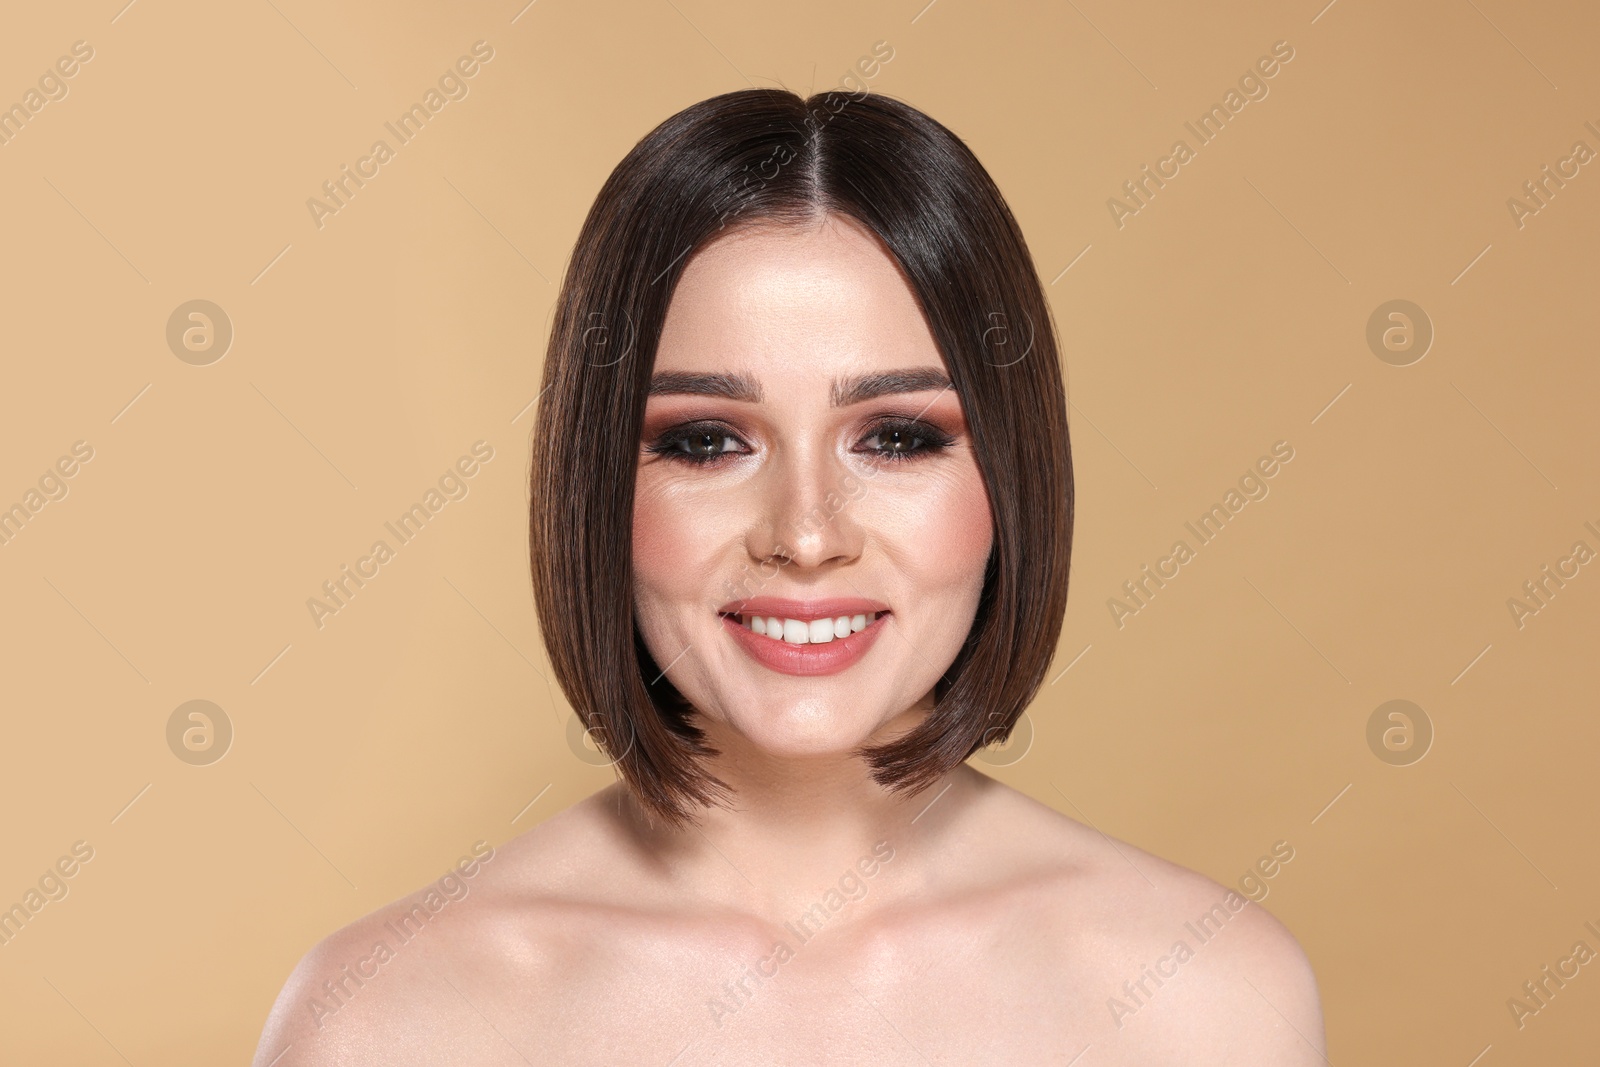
x=792, y=301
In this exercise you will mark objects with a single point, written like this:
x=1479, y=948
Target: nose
x=808, y=511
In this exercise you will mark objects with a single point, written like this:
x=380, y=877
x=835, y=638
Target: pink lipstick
x=804, y=637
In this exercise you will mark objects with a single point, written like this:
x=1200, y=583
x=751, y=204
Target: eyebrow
x=844, y=392
x=728, y=386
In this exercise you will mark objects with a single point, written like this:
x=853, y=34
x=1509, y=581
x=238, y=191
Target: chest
x=953, y=995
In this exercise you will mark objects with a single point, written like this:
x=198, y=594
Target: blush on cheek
x=658, y=558
x=969, y=528
x=659, y=538
x=676, y=548
x=947, y=529
x=652, y=538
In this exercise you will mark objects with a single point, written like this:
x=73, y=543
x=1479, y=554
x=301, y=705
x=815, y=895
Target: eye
x=900, y=439
x=699, y=444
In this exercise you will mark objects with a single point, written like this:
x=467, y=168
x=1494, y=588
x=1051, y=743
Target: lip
x=804, y=660
x=804, y=610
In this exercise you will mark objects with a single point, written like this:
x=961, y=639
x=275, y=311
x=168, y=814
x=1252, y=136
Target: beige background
x=1229, y=314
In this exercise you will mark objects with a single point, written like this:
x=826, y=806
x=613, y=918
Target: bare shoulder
x=432, y=965
x=1171, y=960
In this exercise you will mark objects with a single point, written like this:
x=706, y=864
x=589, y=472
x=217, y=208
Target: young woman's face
x=804, y=460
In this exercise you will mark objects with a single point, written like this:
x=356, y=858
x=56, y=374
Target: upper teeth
x=803, y=632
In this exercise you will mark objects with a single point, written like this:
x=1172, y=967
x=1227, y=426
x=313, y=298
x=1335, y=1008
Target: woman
x=801, y=519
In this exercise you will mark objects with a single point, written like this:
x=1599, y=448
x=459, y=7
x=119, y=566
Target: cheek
x=673, y=546
x=655, y=535
x=966, y=544
x=941, y=530
x=660, y=537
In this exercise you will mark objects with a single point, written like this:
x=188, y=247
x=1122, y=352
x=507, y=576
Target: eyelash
x=934, y=440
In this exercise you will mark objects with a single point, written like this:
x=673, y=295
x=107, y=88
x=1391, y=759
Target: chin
x=806, y=729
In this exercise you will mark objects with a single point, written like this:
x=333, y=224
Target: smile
x=807, y=631
x=804, y=637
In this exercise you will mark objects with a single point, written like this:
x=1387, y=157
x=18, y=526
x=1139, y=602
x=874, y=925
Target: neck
x=798, y=826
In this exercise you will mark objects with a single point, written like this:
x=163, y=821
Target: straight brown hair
x=770, y=156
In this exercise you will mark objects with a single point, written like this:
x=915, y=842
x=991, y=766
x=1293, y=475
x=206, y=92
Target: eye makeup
x=892, y=439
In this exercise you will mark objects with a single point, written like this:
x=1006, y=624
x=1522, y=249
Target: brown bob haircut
x=768, y=156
